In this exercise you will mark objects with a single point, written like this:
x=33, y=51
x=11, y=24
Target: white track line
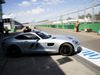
x=90, y=55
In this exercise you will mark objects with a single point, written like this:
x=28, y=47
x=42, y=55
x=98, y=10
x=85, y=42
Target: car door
x=27, y=41
x=46, y=45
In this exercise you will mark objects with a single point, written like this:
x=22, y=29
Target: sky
x=38, y=10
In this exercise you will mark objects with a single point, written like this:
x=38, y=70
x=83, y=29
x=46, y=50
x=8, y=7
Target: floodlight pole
x=61, y=19
x=93, y=11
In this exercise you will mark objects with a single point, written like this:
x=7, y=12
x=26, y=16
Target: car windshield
x=43, y=36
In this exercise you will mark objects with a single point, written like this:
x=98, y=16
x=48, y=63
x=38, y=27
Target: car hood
x=62, y=37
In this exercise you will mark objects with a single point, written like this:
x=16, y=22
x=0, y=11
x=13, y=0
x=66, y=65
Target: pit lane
x=49, y=64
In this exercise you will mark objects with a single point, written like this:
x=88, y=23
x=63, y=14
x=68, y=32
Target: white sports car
x=37, y=41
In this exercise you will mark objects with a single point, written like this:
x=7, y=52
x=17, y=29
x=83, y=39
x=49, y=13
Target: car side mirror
x=49, y=35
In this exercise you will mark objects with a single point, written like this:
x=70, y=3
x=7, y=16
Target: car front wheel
x=66, y=49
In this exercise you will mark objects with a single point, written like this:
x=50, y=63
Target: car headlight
x=75, y=42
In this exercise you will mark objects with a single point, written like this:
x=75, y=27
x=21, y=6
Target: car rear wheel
x=66, y=49
x=13, y=51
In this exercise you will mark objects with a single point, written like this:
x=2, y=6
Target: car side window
x=27, y=36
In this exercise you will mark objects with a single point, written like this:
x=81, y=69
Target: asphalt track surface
x=52, y=64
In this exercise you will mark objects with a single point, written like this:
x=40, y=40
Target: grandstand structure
x=11, y=23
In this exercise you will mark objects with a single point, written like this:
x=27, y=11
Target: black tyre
x=13, y=51
x=66, y=49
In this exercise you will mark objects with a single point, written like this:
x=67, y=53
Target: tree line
x=96, y=16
